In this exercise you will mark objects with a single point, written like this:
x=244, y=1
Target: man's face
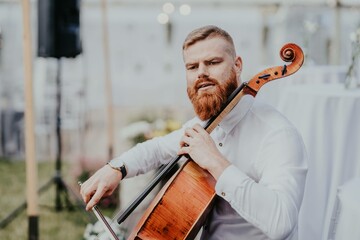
x=212, y=74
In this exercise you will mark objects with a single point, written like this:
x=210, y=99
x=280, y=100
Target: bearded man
x=255, y=155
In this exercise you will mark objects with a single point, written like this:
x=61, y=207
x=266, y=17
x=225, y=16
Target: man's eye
x=214, y=62
x=191, y=67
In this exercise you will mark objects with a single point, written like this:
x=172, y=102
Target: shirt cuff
x=229, y=181
x=130, y=167
x=117, y=163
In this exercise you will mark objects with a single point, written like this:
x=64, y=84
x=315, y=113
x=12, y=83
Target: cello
x=182, y=205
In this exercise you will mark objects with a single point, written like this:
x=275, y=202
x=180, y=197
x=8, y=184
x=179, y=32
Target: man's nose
x=203, y=71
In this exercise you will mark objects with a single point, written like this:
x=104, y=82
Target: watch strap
x=121, y=169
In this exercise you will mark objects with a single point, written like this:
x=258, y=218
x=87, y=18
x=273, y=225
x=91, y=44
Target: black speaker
x=59, y=28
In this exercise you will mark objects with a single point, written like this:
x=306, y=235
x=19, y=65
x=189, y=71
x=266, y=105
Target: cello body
x=180, y=208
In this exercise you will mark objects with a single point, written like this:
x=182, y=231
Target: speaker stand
x=61, y=187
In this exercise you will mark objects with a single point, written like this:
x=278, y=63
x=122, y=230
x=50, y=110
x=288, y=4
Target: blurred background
x=127, y=66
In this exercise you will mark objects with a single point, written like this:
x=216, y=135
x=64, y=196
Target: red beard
x=208, y=103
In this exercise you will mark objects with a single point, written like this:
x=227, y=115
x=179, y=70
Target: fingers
x=185, y=141
x=90, y=189
x=86, y=190
x=195, y=132
x=194, y=141
x=99, y=193
x=183, y=151
x=200, y=130
x=190, y=132
x=101, y=184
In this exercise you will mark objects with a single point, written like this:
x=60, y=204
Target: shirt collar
x=237, y=113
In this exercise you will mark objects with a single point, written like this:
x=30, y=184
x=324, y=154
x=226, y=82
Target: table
x=346, y=215
x=328, y=118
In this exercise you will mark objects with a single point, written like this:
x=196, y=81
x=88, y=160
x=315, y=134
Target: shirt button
x=220, y=144
x=223, y=194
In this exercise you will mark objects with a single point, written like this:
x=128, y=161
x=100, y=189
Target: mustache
x=201, y=81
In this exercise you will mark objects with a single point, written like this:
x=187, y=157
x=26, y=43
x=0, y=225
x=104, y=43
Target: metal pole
x=108, y=87
x=58, y=165
x=31, y=166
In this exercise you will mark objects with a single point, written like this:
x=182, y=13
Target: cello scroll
x=290, y=52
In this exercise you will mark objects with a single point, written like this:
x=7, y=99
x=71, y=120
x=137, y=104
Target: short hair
x=206, y=32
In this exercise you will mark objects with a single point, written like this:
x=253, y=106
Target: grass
x=53, y=224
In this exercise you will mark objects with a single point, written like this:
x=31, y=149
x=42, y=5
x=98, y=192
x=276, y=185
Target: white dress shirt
x=260, y=194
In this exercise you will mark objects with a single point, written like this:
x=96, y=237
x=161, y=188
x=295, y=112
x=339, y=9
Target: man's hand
x=101, y=184
x=199, y=145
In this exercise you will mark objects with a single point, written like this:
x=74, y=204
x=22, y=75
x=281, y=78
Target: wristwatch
x=121, y=169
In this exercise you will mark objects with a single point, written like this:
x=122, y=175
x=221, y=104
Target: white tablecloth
x=346, y=215
x=328, y=118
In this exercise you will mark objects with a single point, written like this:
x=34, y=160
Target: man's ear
x=238, y=64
